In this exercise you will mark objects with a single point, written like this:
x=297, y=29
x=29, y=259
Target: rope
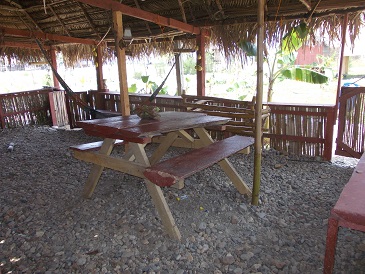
x=68, y=90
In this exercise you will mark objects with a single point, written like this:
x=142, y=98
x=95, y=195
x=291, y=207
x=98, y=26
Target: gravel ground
x=46, y=227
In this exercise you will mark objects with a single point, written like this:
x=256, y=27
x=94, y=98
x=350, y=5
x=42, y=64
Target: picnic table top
x=134, y=129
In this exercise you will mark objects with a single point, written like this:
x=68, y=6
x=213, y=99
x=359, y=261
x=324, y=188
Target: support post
x=56, y=84
x=179, y=74
x=122, y=68
x=258, y=105
x=99, y=68
x=200, y=65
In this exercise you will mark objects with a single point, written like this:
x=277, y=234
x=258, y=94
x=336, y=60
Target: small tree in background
x=281, y=64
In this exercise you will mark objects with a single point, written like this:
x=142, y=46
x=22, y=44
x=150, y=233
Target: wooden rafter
x=141, y=14
x=182, y=11
x=139, y=7
x=60, y=21
x=87, y=16
x=307, y=4
x=46, y=36
x=22, y=45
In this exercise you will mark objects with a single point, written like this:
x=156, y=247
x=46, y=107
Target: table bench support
x=94, y=176
x=331, y=241
x=157, y=196
x=227, y=167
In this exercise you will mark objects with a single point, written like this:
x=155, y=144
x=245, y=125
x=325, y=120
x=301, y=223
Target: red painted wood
x=349, y=211
x=351, y=204
x=94, y=145
x=133, y=129
x=168, y=172
x=142, y=14
x=46, y=36
x=329, y=258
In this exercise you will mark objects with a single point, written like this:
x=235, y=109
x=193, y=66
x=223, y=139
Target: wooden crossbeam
x=46, y=36
x=144, y=15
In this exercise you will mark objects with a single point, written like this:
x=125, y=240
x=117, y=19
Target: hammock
x=93, y=112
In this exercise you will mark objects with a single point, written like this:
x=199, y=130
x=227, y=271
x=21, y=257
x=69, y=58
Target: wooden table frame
x=135, y=161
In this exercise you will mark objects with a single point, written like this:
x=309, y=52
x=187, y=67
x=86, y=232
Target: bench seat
x=93, y=146
x=349, y=211
x=171, y=171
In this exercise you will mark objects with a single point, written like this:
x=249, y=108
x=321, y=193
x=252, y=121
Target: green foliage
x=293, y=40
x=133, y=88
x=249, y=48
x=189, y=65
x=304, y=75
x=242, y=97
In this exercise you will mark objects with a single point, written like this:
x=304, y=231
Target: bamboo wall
x=302, y=129
x=25, y=108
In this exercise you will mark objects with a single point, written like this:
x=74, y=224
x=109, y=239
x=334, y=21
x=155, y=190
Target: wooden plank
x=168, y=172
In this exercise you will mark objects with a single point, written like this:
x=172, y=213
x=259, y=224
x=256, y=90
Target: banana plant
x=282, y=64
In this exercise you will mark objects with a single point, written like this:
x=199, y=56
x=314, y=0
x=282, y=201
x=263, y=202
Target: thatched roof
x=228, y=22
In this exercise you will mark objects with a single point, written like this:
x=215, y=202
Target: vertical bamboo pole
x=179, y=73
x=122, y=68
x=200, y=65
x=258, y=106
x=99, y=69
x=343, y=43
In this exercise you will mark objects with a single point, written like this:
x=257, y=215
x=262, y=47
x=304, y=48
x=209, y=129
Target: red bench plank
x=168, y=172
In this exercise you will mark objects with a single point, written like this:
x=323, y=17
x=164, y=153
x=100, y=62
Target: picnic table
x=135, y=133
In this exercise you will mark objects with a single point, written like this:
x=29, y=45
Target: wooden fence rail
x=295, y=128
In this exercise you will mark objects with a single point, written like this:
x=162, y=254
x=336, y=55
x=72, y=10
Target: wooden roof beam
x=46, y=36
x=307, y=4
x=143, y=15
x=22, y=45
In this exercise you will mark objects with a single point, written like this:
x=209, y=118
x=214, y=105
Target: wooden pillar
x=56, y=84
x=122, y=68
x=179, y=74
x=99, y=69
x=200, y=64
x=258, y=105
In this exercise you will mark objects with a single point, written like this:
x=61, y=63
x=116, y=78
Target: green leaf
x=293, y=40
x=132, y=88
x=304, y=75
x=145, y=79
x=248, y=47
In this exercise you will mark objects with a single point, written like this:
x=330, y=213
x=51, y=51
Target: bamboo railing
x=295, y=128
x=351, y=125
x=302, y=129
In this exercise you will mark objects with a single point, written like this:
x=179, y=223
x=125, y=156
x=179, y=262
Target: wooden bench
x=349, y=211
x=93, y=146
x=242, y=113
x=173, y=170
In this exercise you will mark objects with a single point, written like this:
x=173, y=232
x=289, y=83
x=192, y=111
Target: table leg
x=157, y=196
x=96, y=170
x=227, y=167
